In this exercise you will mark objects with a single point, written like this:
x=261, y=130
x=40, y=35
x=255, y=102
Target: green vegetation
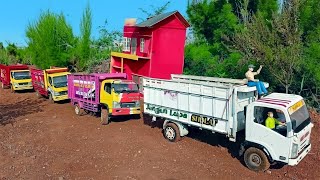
x=228, y=35
x=85, y=40
x=49, y=40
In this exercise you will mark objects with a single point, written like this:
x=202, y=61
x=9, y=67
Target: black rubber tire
x=171, y=132
x=50, y=98
x=78, y=111
x=105, y=118
x=256, y=160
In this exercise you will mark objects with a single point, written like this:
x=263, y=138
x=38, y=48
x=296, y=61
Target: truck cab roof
x=280, y=100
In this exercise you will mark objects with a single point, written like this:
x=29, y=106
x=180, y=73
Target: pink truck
x=107, y=94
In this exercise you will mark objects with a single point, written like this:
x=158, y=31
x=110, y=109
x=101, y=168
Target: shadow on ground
x=10, y=112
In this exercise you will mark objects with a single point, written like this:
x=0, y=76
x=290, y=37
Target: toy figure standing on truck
x=51, y=83
x=15, y=76
x=109, y=94
x=229, y=106
x=254, y=82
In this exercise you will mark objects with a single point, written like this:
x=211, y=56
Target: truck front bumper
x=20, y=87
x=60, y=98
x=125, y=111
x=295, y=161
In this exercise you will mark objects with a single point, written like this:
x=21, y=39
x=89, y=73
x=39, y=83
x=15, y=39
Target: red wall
x=168, y=48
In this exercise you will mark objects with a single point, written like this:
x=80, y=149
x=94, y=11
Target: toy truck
x=229, y=107
x=50, y=83
x=108, y=94
x=15, y=76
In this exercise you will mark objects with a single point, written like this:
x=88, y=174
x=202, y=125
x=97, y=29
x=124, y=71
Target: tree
x=278, y=47
x=210, y=21
x=49, y=40
x=155, y=10
x=101, y=48
x=12, y=49
x=85, y=38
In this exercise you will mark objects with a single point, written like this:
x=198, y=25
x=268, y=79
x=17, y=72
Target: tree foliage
x=49, y=40
x=210, y=20
x=278, y=45
x=155, y=10
x=85, y=38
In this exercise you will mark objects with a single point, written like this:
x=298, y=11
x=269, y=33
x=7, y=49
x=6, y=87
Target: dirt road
x=39, y=140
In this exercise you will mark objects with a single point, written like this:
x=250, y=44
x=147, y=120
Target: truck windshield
x=120, y=88
x=300, y=118
x=60, y=81
x=21, y=75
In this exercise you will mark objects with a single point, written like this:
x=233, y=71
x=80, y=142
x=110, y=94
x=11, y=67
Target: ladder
x=209, y=80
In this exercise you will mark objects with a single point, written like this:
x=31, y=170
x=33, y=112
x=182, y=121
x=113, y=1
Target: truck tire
x=256, y=159
x=79, y=111
x=171, y=132
x=105, y=118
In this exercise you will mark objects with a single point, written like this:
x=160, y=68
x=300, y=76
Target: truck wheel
x=105, y=118
x=78, y=110
x=171, y=132
x=256, y=159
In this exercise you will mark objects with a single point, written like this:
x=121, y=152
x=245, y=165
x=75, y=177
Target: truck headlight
x=16, y=84
x=56, y=93
x=294, y=151
x=116, y=104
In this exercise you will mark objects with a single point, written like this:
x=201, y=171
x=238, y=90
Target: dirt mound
x=103, y=67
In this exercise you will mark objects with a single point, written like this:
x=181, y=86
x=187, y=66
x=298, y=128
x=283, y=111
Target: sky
x=15, y=15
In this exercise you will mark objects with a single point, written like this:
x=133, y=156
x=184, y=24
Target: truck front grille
x=23, y=84
x=128, y=105
x=63, y=93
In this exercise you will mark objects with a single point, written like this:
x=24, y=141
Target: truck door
x=274, y=140
x=105, y=94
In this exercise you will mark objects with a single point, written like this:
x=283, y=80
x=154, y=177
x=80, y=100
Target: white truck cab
x=288, y=143
x=230, y=107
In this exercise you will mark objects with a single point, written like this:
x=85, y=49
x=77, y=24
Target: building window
x=142, y=45
x=126, y=44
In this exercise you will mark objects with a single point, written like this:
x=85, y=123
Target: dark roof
x=156, y=19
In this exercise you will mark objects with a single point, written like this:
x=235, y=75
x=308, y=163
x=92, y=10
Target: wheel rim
x=255, y=159
x=170, y=133
x=77, y=110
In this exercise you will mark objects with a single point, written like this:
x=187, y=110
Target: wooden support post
x=121, y=65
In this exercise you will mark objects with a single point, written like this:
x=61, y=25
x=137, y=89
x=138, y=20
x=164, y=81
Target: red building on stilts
x=153, y=48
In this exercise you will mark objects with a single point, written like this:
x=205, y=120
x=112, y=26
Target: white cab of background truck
x=229, y=106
